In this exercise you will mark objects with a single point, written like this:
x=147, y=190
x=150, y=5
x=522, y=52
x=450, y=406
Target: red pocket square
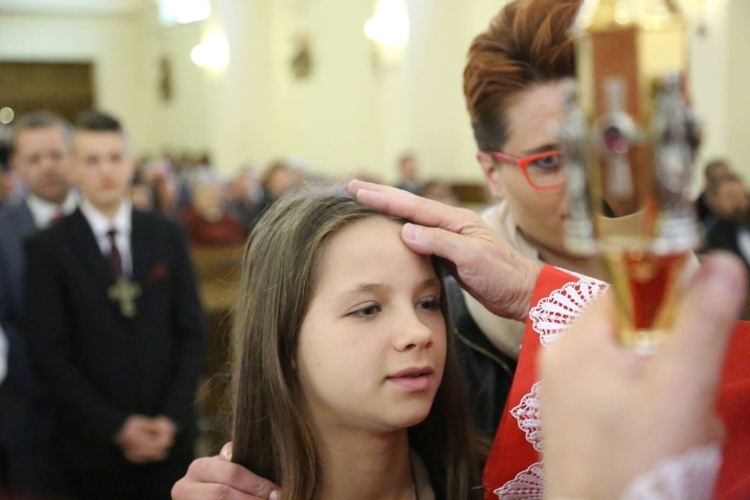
x=158, y=272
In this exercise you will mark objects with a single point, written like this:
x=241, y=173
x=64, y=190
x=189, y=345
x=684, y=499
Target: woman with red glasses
x=513, y=83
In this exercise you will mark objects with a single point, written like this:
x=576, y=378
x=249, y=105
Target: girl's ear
x=491, y=171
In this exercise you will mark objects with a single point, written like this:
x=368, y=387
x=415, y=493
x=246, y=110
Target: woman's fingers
x=217, y=476
x=414, y=208
x=707, y=314
x=355, y=185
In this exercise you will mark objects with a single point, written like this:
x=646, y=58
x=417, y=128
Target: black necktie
x=115, y=260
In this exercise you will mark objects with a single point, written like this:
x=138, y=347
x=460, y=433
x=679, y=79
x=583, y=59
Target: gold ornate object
x=125, y=292
x=630, y=141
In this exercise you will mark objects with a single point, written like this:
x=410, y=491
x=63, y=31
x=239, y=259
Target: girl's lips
x=413, y=379
x=416, y=383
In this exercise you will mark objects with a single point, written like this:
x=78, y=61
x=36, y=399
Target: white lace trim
x=690, y=476
x=549, y=318
x=553, y=314
x=527, y=485
x=527, y=415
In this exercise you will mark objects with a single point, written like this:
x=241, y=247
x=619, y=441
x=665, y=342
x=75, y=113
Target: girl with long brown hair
x=344, y=378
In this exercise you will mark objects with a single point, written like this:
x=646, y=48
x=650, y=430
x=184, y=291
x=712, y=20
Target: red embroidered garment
x=513, y=470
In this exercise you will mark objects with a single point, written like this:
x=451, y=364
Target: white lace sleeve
x=690, y=476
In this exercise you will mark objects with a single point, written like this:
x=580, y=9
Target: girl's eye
x=366, y=312
x=552, y=162
x=430, y=304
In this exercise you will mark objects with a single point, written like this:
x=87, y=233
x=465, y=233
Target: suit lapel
x=88, y=249
x=25, y=219
x=141, y=247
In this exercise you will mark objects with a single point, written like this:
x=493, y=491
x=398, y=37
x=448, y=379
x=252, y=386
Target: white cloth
x=122, y=223
x=743, y=243
x=44, y=211
x=690, y=476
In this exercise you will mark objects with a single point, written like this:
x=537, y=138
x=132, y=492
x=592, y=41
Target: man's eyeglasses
x=542, y=170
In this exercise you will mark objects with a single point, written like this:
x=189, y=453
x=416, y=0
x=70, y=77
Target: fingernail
x=274, y=495
x=412, y=232
x=226, y=451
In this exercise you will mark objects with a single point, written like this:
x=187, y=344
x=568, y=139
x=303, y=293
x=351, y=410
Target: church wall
x=181, y=117
x=353, y=111
x=709, y=65
x=114, y=44
x=738, y=89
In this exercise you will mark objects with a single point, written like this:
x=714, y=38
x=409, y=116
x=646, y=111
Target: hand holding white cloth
x=610, y=415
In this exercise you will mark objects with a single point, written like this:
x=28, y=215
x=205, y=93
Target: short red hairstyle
x=527, y=43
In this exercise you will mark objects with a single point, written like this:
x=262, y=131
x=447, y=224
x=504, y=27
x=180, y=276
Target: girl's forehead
x=372, y=243
x=368, y=233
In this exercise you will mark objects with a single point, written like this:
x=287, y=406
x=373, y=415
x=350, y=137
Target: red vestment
x=513, y=469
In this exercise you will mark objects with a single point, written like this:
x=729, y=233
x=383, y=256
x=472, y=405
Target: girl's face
x=373, y=342
x=531, y=119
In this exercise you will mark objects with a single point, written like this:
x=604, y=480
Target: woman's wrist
x=529, y=273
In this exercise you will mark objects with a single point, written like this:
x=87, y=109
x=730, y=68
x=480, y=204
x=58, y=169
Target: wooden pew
x=218, y=271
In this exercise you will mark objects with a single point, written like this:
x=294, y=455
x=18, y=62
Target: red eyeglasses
x=542, y=170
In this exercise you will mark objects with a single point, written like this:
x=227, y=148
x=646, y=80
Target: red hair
x=526, y=44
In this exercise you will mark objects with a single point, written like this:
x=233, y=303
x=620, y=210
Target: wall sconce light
x=173, y=12
x=7, y=115
x=390, y=24
x=212, y=53
x=389, y=31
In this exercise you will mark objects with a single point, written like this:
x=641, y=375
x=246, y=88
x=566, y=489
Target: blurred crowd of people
x=214, y=211
x=219, y=211
x=723, y=209
x=102, y=334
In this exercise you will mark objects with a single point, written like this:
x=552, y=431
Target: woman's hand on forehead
x=485, y=265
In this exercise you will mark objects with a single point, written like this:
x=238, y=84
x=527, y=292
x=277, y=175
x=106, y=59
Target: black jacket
x=98, y=365
x=488, y=373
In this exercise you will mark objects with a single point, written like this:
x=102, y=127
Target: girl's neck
x=363, y=465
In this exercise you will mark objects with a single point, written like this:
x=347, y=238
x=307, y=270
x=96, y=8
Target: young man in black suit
x=115, y=325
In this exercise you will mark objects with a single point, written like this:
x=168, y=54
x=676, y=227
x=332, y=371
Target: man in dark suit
x=116, y=328
x=713, y=173
x=730, y=229
x=41, y=159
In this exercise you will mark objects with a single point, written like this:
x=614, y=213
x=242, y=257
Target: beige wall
x=737, y=90
x=114, y=44
x=181, y=122
x=351, y=113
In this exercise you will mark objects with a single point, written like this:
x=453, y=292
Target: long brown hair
x=526, y=44
x=280, y=271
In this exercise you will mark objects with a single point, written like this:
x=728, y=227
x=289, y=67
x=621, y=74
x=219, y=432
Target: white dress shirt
x=101, y=224
x=44, y=211
x=743, y=243
x=3, y=355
